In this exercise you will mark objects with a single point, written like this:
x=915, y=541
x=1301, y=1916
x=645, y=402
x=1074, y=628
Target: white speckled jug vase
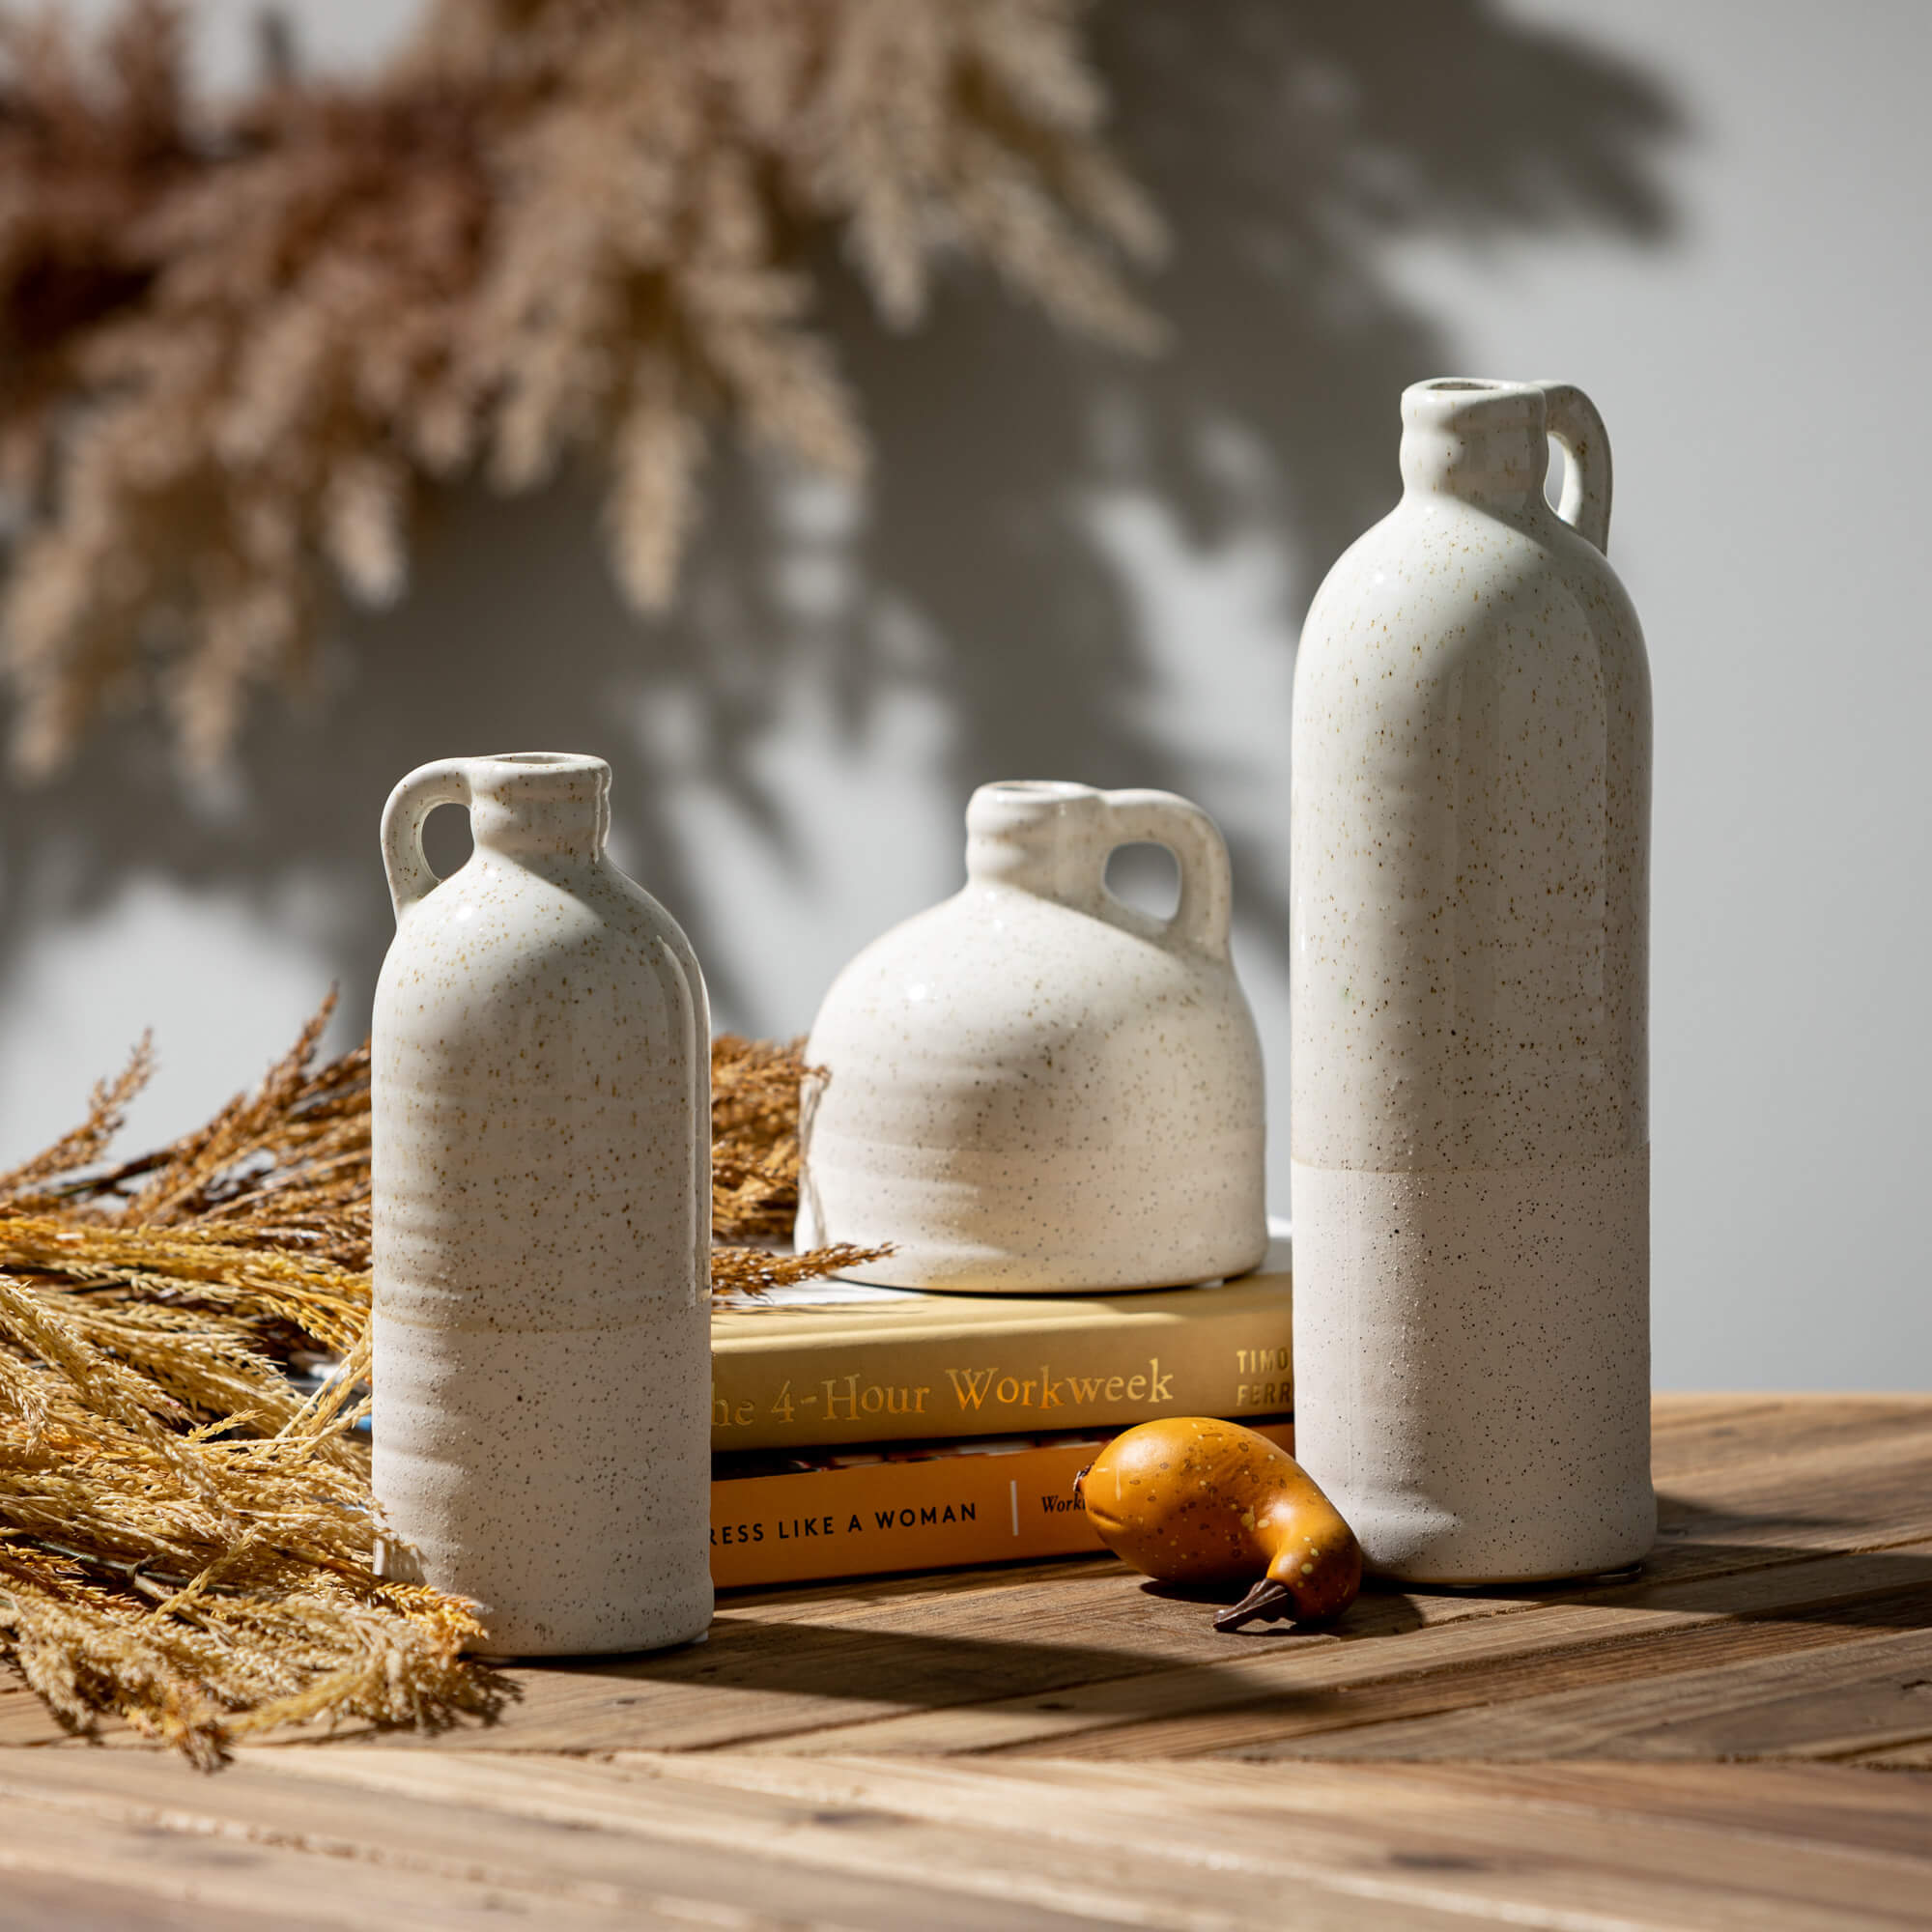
x=541, y=1096
x=1470, y=877
x=1034, y=1087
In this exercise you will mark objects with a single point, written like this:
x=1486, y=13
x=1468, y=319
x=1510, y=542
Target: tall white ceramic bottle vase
x=541, y=1094
x=1470, y=837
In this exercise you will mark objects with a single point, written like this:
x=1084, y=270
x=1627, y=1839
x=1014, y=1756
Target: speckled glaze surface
x=1034, y=1087
x=541, y=1096
x=1470, y=837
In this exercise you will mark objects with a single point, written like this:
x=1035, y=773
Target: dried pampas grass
x=185, y=1540
x=235, y=345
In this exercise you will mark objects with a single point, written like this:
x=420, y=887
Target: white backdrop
x=1710, y=216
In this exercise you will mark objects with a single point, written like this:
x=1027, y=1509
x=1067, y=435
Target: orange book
x=925, y=1506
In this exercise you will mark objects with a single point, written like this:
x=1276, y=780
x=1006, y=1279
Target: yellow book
x=840, y=1363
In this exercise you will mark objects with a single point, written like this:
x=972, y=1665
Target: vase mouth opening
x=1472, y=399
x=535, y=774
x=1033, y=791
x=548, y=761
x=1028, y=808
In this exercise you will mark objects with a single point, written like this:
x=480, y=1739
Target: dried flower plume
x=233, y=347
x=186, y=1539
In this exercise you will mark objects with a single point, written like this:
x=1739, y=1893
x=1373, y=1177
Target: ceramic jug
x=1470, y=901
x=1033, y=1085
x=540, y=1084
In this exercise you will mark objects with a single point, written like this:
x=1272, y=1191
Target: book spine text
x=1230, y=1365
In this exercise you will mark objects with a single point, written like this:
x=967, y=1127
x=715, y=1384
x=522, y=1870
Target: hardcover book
x=835, y=1362
x=930, y=1506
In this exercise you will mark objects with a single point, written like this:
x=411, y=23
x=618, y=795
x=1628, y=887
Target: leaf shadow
x=1288, y=145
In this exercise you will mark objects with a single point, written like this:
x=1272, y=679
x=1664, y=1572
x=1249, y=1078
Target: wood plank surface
x=342, y=1853
x=1795, y=1505
x=1744, y=1846
x=1740, y=1735
x=1648, y=1631
x=372, y=1837
x=1875, y=1694
x=387, y=1838
x=1025, y=1658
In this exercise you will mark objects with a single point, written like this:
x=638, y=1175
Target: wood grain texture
x=568, y=1842
x=728, y=1838
x=1691, y=1846
x=1738, y=1736
x=1031, y=1660
x=1475, y=1667
x=353, y=1853
x=1263, y=1846
x=1868, y=1695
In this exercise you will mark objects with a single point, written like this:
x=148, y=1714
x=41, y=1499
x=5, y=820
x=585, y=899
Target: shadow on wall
x=1287, y=144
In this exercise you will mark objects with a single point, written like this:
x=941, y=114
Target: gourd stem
x=1265, y=1600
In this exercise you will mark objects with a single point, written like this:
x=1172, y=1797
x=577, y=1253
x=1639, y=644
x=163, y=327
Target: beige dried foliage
x=755, y=1158
x=235, y=346
x=185, y=1540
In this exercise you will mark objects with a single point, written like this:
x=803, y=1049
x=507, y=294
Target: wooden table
x=1741, y=1736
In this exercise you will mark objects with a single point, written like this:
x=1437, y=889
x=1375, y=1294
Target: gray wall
x=1709, y=215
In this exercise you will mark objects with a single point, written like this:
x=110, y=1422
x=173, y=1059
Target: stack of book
x=856, y=1430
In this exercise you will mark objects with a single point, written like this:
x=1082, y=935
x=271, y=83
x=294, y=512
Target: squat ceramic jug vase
x=1035, y=1086
x=1470, y=833
x=541, y=1094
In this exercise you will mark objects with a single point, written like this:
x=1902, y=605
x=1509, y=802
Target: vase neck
x=1041, y=838
x=540, y=805
x=1485, y=443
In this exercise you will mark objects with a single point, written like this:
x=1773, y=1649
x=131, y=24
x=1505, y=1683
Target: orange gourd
x=1192, y=1500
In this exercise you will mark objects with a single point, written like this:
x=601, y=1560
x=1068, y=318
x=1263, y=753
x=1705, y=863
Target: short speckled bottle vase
x=1034, y=1087
x=541, y=1096
x=1470, y=878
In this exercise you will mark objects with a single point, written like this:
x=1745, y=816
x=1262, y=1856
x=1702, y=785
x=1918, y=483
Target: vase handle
x=1578, y=429
x=410, y=877
x=1202, y=919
